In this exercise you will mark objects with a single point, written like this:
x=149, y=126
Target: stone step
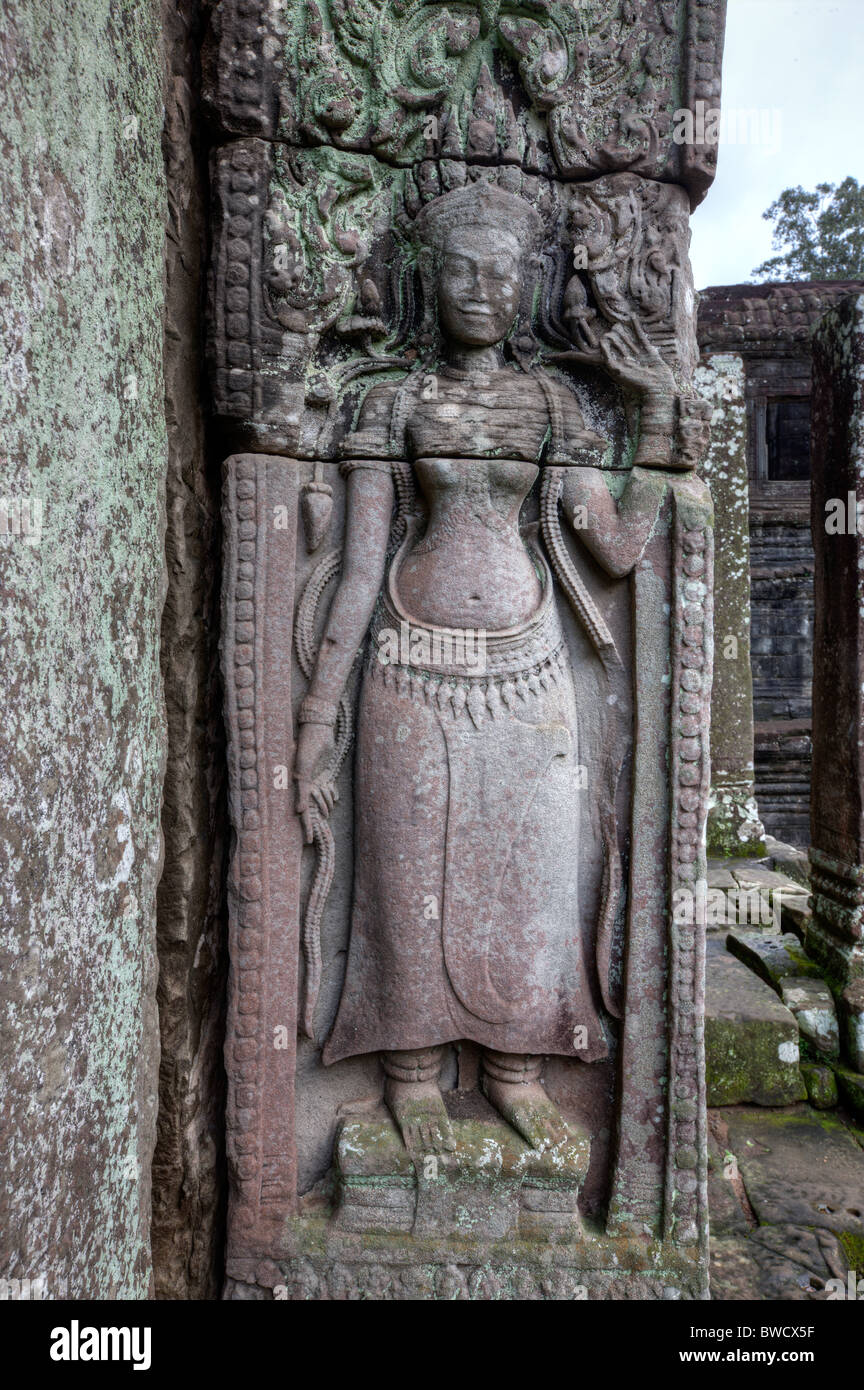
x=801, y=1169
x=801, y=1174
x=773, y=957
x=787, y=859
x=812, y=1004
x=795, y=913
x=821, y=1085
x=751, y=1038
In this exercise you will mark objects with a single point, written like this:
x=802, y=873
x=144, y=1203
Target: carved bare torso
x=471, y=569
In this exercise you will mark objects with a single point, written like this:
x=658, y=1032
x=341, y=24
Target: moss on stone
x=742, y=1065
x=821, y=1085
x=853, y=1249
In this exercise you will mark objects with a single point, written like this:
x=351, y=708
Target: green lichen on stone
x=371, y=1265
x=751, y=1039
x=730, y=831
x=821, y=1085
x=853, y=1248
x=83, y=435
x=734, y=828
x=742, y=1065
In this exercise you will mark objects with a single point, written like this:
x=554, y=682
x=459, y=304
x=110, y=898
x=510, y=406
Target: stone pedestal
x=836, y=935
x=491, y=1183
x=734, y=827
x=492, y=1220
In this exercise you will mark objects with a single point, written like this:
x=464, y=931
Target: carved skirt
x=465, y=920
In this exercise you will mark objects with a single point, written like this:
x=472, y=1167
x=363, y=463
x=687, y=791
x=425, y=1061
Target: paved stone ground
x=786, y=1195
x=786, y=1180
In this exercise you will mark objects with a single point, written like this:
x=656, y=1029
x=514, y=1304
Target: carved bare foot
x=418, y=1109
x=526, y=1106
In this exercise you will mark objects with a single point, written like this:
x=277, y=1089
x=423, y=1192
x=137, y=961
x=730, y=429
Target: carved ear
x=426, y=260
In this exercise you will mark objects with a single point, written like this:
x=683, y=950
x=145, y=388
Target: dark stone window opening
x=787, y=438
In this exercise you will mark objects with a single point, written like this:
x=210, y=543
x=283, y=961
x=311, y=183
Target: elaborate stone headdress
x=479, y=204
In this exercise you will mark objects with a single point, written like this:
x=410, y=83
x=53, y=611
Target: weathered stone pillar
x=734, y=827
x=82, y=461
x=836, y=935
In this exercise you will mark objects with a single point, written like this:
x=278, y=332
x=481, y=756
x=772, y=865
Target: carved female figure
x=468, y=799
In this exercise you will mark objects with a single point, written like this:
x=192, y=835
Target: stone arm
x=369, y=508
x=614, y=531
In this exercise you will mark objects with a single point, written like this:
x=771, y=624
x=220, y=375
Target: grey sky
x=803, y=59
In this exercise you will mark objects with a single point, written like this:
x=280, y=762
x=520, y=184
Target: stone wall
x=734, y=828
x=83, y=465
x=769, y=327
x=835, y=936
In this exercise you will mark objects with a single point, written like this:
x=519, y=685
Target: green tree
x=819, y=235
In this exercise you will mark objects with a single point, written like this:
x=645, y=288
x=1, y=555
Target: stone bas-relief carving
x=557, y=88
x=314, y=287
x=474, y=774
x=467, y=647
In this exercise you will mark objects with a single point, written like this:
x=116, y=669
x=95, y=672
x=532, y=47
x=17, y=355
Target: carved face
x=478, y=287
x=694, y=437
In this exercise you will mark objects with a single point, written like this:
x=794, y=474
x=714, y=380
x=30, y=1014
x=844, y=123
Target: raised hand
x=632, y=359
